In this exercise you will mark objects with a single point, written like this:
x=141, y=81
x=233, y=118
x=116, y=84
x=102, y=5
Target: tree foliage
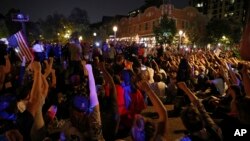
x=195, y=31
x=165, y=31
x=219, y=28
x=12, y=26
x=33, y=31
x=52, y=25
x=56, y=26
x=3, y=30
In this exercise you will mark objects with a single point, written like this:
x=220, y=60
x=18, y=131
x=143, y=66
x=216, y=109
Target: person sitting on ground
x=85, y=119
x=145, y=129
x=197, y=121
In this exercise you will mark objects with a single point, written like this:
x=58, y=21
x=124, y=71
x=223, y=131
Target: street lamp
x=115, y=30
x=80, y=38
x=94, y=34
x=180, y=35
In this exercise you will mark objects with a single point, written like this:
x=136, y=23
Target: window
x=199, y=4
x=146, y=26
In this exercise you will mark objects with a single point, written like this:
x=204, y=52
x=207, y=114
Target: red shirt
x=137, y=104
x=120, y=100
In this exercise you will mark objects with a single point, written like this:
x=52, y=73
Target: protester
x=197, y=121
x=71, y=96
x=38, y=50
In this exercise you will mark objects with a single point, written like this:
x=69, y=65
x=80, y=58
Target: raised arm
x=205, y=116
x=110, y=81
x=158, y=105
x=53, y=75
x=48, y=67
x=246, y=80
x=232, y=75
x=92, y=87
x=36, y=89
x=188, y=92
x=7, y=64
x=4, y=70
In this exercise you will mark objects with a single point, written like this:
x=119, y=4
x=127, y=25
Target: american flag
x=18, y=42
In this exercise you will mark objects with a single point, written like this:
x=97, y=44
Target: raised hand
x=182, y=85
x=48, y=66
x=36, y=66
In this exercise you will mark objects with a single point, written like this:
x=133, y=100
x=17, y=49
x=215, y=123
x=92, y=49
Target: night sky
x=96, y=8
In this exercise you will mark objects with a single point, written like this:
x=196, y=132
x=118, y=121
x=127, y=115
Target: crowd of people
x=78, y=92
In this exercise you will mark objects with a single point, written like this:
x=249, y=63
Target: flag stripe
x=18, y=41
x=24, y=46
x=21, y=52
x=27, y=49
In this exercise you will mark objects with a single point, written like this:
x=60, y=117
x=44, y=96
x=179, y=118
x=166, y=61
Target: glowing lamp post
x=115, y=30
x=180, y=35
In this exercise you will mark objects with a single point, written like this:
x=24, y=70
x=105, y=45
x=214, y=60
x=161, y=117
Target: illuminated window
x=231, y=14
x=199, y=4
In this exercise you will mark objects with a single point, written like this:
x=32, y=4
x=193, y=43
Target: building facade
x=139, y=28
x=235, y=9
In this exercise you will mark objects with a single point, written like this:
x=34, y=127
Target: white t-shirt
x=38, y=48
x=219, y=84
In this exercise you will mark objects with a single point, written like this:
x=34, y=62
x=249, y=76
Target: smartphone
x=143, y=67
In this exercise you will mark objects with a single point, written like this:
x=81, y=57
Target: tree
x=227, y=31
x=3, y=30
x=80, y=21
x=33, y=31
x=195, y=30
x=12, y=26
x=54, y=26
x=165, y=31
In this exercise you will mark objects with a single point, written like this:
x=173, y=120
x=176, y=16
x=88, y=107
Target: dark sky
x=96, y=8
